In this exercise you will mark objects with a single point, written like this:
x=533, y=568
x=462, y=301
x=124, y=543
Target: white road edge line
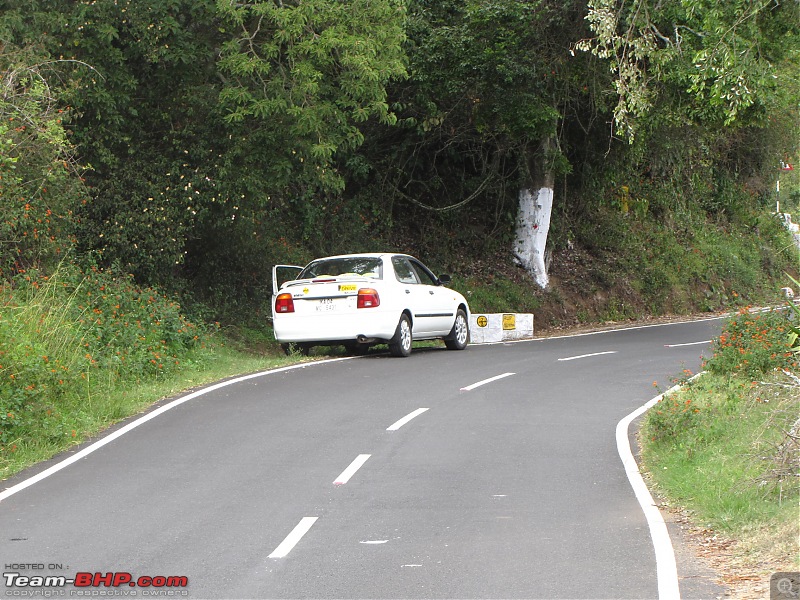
x=666, y=568
x=144, y=419
x=485, y=381
x=689, y=344
x=351, y=470
x=398, y=424
x=587, y=355
x=294, y=536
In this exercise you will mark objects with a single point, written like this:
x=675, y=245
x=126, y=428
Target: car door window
x=425, y=276
x=404, y=271
x=439, y=311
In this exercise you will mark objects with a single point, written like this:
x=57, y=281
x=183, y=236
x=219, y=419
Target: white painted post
x=533, y=226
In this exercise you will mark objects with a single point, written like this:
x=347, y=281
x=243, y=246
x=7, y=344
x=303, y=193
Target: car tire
x=400, y=344
x=459, y=335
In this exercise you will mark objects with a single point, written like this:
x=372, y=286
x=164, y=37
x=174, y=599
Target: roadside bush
x=753, y=344
x=697, y=413
x=671, y=416
x=749, y=347
x=61, y=334
x=726, y=449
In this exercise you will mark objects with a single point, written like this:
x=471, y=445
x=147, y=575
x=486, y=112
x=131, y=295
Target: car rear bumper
x=335, y=328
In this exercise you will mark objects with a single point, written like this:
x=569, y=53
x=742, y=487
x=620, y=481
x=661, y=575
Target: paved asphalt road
x=290, y=485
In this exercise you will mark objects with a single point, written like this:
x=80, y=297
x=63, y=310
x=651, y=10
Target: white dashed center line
x=587, y=355
x=295, y=536
x=689, y=344
x=374, y=542
x=351, y=470
x=398, y=424
x=485, y=381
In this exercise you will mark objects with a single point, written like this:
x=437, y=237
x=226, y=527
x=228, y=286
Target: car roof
x=363, y=255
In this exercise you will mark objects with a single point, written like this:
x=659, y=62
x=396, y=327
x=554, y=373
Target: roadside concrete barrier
x=500, y=327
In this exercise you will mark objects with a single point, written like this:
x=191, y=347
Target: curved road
x=488, y=473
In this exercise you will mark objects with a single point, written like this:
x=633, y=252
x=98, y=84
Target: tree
x=174, y=163
x=307, y=74
x=40, y=178
x=492, y=83
x=140, y=78
x=724, y=63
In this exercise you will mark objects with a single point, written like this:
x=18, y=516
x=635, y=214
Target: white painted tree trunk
x=533, y=225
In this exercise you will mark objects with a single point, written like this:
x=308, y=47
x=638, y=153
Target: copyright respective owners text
x=56, y=580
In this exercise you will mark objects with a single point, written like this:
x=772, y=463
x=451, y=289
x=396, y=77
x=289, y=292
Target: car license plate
x=348, y=287
x=326, y=304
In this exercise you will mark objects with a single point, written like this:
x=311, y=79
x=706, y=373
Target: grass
x=107, y=401
x=83, y=348
x=684, y=261
x=497, y=294
x=726, y=446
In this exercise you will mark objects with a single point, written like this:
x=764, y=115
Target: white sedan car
x=358, y=300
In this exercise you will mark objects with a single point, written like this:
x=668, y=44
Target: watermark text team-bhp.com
x=27, y=580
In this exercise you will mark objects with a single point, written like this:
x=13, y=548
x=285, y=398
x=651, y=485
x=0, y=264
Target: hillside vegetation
x=158, y=157
x=725, y=451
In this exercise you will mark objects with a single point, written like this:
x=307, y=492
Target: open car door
x=281, y=274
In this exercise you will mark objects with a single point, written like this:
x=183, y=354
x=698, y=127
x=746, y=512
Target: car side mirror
x=444, y=279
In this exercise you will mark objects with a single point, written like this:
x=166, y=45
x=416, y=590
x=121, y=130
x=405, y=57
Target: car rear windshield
x=365, y=266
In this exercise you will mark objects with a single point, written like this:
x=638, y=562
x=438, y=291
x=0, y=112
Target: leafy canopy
x=726, y=59
x=313, y=70
x=39, y=175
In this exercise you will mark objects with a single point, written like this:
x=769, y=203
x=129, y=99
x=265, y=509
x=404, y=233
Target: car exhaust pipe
x=362, y=339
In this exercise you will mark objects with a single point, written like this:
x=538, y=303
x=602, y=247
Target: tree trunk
x=533, y=219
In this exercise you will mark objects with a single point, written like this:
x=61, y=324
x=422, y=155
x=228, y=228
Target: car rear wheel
x=400, y=344
x=459, y=335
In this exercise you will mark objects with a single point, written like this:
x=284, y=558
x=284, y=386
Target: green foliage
x=673, y=414
x=145, y=226
x=313, y=71
x=700, y=413
x=722, y=62
x=151, y=64
x=172, y=163
x=676, y=257
x=733, y=62
x=60, y=332
x=794, y=324
x=753, y=344
x=719, y=448
x=496, y=295
x=39, y=179
x=724, y=445
x=487, y=48
x=488, y=85
x=224, y=138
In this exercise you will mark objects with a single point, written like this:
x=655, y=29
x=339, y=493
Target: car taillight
x=284, y=303
x=368, y=298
